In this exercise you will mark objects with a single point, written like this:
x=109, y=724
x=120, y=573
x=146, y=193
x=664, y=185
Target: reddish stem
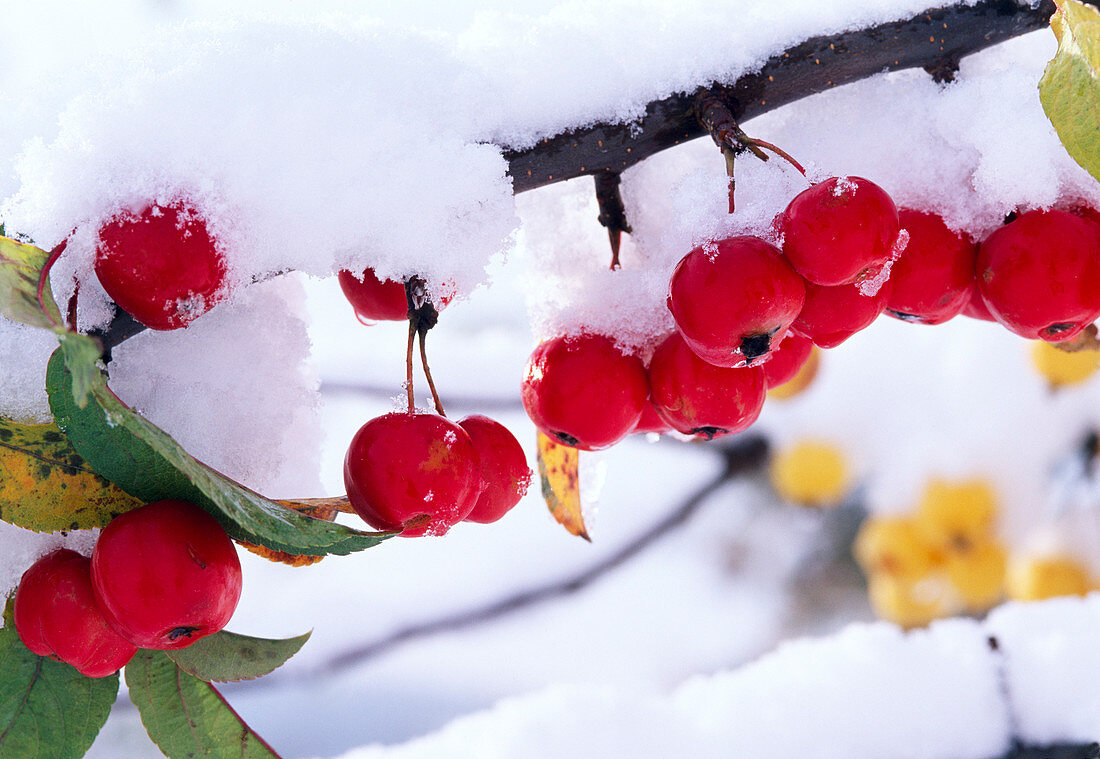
x=428, y=375
x=779, y=152
x=44, y=276
x=409, y=364
x=73, y=303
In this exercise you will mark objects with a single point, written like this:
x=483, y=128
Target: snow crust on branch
x=867, y=692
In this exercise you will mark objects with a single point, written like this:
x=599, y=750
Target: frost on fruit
x=844, y=186
x=870, y=285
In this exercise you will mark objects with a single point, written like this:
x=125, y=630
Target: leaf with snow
x=226, y=656
x=187, y=717
x=1070, y=87
x=46, y=486
x=20, y=268
x=48, y=710
x=559, y=470
x=147, y=463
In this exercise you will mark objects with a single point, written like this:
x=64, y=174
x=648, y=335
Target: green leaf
x=20, y=267
x=226, y=656
x=187, y=717
x=1070, y=88
x=82, y=355
x=143, y=460
x=48, y=710
x=46, y=486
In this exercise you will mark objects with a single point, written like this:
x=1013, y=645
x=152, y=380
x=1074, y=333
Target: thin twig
x=409, y=364
x=428, y=374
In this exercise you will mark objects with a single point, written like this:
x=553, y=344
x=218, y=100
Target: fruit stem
x=715, y=112
x=422, y=317
x=409, y=362
x=612, y=211
x=729, y=154
x=428, y=374
x=44, y=276
x=72, y=304
x=779, y=152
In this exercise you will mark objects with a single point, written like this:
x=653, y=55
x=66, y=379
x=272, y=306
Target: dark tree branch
x=934, y=40
x=612, y=211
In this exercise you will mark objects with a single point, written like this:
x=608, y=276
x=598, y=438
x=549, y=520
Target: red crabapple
x=833, y=314
x=1039, y=275
x=975, y=307
x=374, y=299
x=651, y=421
x=931, y=280
x=166, y=574
x=56, y=615
x=583, y=391
x=401, y=467
x=505, y=475
x=840, y=230
x=161, y=265
x=733, y=299
x=697, y=398
x=787, y=359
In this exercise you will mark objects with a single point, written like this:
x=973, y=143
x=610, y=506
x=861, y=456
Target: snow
x=869, y=691
x=1049, y=650
x=335, y=135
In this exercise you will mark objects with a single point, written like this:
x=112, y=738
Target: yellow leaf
x=318, y=508
x=20, y=267
x=46, y=486
x=558, y=469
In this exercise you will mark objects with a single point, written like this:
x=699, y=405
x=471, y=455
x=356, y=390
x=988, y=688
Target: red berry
x=833, y=314
x=1039, y=275
x=698, y=398
x=733, y=299
x=840, y=230
x=161, y=265
x=787, y=359
x=651, y=421
x=374, y=299
x=975, y=307
x=583, y=391
x=931, y=280
x=505, y=475
x=56, y=615
x=402, y=466
x=166, y=574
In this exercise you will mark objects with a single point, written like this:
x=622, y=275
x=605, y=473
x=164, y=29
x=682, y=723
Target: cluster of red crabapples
x=421, y=473
x=161, y=576
x=417, y=473
x=748, y=313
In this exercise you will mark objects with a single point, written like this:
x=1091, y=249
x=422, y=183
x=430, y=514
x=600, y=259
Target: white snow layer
x=868, y=692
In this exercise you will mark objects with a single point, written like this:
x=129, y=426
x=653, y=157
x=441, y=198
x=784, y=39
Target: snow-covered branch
x=934, y=40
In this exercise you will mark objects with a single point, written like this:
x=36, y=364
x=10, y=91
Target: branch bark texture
x=934, y=40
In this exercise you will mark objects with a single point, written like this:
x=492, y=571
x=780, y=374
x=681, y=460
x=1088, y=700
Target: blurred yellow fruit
x=908, y=602
x=1033, y=578
x=978, y=574
x=1061, y=368
x=955, y=515
x=895, y=547
x=800, y=381
x=811, y=472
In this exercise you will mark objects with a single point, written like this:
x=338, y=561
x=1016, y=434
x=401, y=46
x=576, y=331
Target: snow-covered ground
x=331, y=135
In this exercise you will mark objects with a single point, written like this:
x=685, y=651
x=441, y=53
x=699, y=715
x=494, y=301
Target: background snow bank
x=868, y=692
